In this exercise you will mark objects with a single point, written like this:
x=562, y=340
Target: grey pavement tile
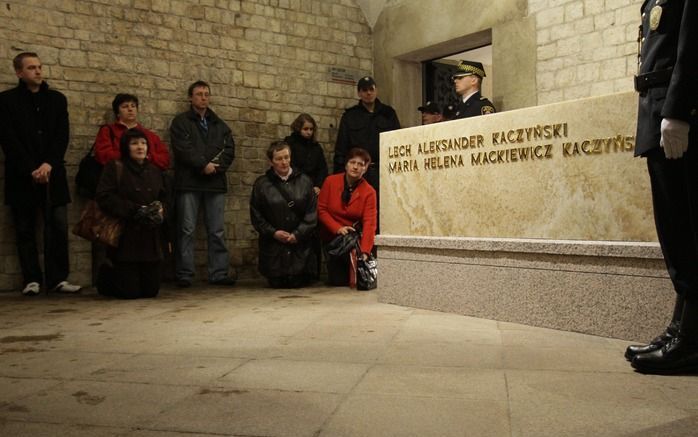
x=448, y=333
x=449, y=321
x=541, y=337
x=12, y=389
x=299, y=349
x=569, y=359
x=583, y=404
x=296, y=376
x=401, y=416
x=231, y=346
x=349, y=332
x=30, y=429
x=96, y=403
x=443, y=382
x=248, y=413
x=682, y=391
x=166, y=369
x=444, y=354
x=54, y=364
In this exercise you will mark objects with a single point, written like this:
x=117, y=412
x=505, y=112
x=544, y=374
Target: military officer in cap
x=667, y=136
x=449, y=112
x=431, y=113
x=468, y=81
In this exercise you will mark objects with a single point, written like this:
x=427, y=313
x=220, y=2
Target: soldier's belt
x=643, y=82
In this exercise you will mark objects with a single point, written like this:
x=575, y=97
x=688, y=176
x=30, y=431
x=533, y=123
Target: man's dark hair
x=358, y=152
x=197, y=84
x=277, y=146
x=122, y=98
x=300, y=121
x=18, y=61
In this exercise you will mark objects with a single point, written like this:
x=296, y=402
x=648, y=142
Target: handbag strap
x=289, y=202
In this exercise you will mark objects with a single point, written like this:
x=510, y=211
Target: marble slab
x=563, y=171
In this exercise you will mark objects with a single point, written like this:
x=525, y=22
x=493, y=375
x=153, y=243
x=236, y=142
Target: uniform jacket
x=333, y=213
x=138, y=185
x=671, y=42
x=270, y=212
x=194, y=148
x=33, y=130
x=107, y=145
x=361, y=128
x=308, y=157
x=474, y=106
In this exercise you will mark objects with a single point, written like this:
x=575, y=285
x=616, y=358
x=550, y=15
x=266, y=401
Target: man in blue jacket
x=203, y=149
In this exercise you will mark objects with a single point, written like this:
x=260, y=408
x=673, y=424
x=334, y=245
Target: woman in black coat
x=133, y=189
x=306, y=153
x=283, y=209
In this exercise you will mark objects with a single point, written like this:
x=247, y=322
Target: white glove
x=674, y=137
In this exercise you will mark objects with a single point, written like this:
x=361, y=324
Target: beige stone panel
x=590, y=189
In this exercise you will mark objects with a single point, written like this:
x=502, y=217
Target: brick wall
x=266, y=61
x=585, y=47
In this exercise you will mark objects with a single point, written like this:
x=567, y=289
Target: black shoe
x=183, y=283
x=636, y=349
x=227, y=280
x=678, y=356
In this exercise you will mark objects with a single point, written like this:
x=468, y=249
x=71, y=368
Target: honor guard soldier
x=468, y=81
x=667, y=136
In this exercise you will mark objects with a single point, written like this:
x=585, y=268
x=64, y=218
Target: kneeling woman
x=283, y=211
x=347, y=201
x=133, y=189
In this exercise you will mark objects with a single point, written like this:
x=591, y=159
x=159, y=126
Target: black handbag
x=342, y=244
x=89, y=171
x=366, y=271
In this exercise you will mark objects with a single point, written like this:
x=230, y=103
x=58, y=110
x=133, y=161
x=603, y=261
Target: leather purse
x=96, y=226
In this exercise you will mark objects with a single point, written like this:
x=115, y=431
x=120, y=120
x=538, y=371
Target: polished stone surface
x=252, y=361
x=563, y=171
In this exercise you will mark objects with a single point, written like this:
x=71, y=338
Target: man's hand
x=674, y=137
x=210, y=169
x=42, y=174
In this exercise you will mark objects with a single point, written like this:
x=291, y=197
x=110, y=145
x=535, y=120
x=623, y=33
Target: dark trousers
x=675, y=200
x=337, y=268
x=129, y=280
x=56, y=263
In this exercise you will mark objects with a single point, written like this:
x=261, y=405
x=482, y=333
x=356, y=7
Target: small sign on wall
x=345, y=75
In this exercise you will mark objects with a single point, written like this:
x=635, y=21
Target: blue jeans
x=188, y=203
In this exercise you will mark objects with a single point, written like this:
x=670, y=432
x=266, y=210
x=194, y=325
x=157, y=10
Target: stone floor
x=251, y=361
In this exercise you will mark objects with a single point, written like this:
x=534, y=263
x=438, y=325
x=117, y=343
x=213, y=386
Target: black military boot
x=663, y=338
x=680, y=354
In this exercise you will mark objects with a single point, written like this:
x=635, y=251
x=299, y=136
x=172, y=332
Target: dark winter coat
x=361, y=128
x=121, y=197
x=34, y=129
x=270, y=212
x=194, y=148
x=308, y=157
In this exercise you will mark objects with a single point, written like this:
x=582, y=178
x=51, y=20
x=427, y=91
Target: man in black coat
x=34, y=138
x=468, y=81
x=361, y=126
x=667, y=135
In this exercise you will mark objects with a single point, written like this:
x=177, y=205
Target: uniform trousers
x=674, y=185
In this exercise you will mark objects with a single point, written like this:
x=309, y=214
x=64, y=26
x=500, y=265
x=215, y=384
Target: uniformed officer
x=468, y=81
x=431, y=113
x=667, y=135
x=449, y=112
x=361, y=126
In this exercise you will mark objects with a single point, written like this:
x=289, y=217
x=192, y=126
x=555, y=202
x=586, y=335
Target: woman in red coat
x=347, y=201
x=108, y=141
